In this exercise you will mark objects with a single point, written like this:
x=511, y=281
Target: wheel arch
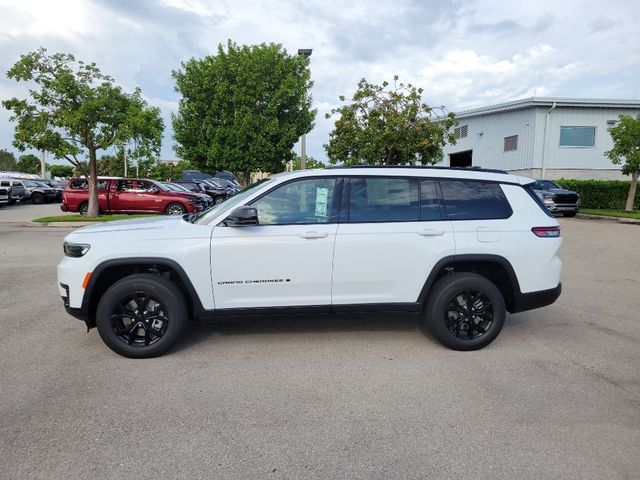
x=494, y=267
x=110, y=271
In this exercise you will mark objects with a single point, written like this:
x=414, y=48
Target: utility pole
x=306, y=53
x=43, y=165
x=124, y=156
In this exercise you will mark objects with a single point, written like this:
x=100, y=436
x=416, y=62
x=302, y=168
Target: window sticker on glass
x=321, y=201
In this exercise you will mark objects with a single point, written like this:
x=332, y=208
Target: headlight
x=75, y=249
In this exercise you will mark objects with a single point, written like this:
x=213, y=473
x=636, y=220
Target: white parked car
x=457, y=247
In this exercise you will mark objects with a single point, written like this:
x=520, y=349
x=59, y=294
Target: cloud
x=464, y=53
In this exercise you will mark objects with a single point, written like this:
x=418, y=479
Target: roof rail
x=436, y=167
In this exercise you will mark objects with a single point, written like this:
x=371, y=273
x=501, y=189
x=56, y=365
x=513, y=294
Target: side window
x=304, y=201
x=102, y=184
x=474, y=200
x=4, y=183
x=79, y=184
x=383, y=199
x=125, y=186
x=146, y=186
x=429, y=201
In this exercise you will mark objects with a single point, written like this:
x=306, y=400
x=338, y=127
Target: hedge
x=601, y=193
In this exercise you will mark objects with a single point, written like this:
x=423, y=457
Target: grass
x=611, y=213
x=84, y=218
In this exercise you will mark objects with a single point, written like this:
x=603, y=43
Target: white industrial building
x=541, y=137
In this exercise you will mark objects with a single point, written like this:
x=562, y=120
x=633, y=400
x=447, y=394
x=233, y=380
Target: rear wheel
x=175, y=209
x=218, y=200
x=141, y=316
x=465, y=311
x=83, y=208
x=37, y=198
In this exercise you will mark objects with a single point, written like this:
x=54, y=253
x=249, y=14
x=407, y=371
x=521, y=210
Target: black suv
x=218, y=195
x=557, y=199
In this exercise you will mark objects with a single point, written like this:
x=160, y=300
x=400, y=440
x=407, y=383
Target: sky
x=463, y=53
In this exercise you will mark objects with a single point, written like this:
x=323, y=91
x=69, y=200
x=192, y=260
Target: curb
x=603, y=218
x=58, y=224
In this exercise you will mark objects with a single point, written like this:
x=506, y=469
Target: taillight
x=546, y=232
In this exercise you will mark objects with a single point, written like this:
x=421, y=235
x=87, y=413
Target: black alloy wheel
x=142, y=315
x=465, y=311
x=469, y=314
x=139, y=319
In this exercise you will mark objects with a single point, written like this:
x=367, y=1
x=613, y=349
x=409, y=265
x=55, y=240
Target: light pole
x=306, y=53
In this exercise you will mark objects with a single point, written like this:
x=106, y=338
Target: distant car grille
x=565, y=198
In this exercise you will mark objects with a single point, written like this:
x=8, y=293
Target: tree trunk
x=632, y=191
x=94, y=209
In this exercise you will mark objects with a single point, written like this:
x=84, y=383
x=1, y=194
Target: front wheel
x=218, y=200
x=465, y=311
x=175, y=209
x=141, y=316
x=569, y=214
x=37, y=198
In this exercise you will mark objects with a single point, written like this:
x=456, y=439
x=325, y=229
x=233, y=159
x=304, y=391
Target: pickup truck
x=129, y=195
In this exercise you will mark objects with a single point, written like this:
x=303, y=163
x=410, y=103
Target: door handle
x=429, y=232
x=313, y=235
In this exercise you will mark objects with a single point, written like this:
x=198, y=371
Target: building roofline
x=548, y=102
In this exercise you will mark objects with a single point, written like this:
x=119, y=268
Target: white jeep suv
x=457, y=247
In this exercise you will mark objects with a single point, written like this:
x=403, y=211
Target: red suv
x=128, y=195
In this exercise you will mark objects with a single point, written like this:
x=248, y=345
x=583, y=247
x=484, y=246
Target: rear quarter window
x=474, y=200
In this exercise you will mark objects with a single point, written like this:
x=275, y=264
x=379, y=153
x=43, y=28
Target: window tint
x=383, y=199
x=304, y=201
x=474, y=200
x=577, y=136
x=125, y=186
x=429, y=201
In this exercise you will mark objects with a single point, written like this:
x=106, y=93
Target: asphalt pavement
x=557, y=395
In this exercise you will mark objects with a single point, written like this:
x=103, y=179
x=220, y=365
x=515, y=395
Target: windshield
x=208, y=215
x=177, y=188
x=29, y=183
x=545, y=184
x=159, y=186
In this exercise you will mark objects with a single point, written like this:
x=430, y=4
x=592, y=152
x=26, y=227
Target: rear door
x=390, y=238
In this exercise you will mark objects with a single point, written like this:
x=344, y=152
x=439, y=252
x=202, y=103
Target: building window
x=461, y=132
x=511, y=143
x=577, y=136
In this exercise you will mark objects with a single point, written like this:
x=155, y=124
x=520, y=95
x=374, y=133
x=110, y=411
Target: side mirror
x=242, y=216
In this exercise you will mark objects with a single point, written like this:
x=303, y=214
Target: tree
x=626, y=148
x=113, y=165
x=310, y=162
x=388, y=126
x=76, y=111
x=7, y=160
x=61, y=171
x=242, y=109
x=28, y=164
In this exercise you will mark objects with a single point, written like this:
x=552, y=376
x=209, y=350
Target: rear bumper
x=529, y=301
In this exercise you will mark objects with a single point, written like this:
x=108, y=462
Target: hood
x=557, y=191
x=147, y=223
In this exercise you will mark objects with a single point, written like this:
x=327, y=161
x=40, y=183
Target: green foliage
x=28, y=164
x=608, y=194
x=7, y=160
x=310, y=162
x=389, y=126
x=113, y=165
x=626, y=144
x=75, y=110
x=242, y=109
x=61, y=171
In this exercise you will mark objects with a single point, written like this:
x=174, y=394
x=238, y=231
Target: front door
x=123, y=196
x=286, y=260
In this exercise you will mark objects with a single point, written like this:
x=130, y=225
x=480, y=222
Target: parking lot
x=557, y=395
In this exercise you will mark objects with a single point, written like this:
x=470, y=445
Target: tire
x=83, y=208
x=450, y=306
x=37, y=198
x=175, y=209
x=569, y=214
x=218, y=200
x=135, y=334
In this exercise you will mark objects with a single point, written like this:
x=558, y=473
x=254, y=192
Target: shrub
x=601, y=193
